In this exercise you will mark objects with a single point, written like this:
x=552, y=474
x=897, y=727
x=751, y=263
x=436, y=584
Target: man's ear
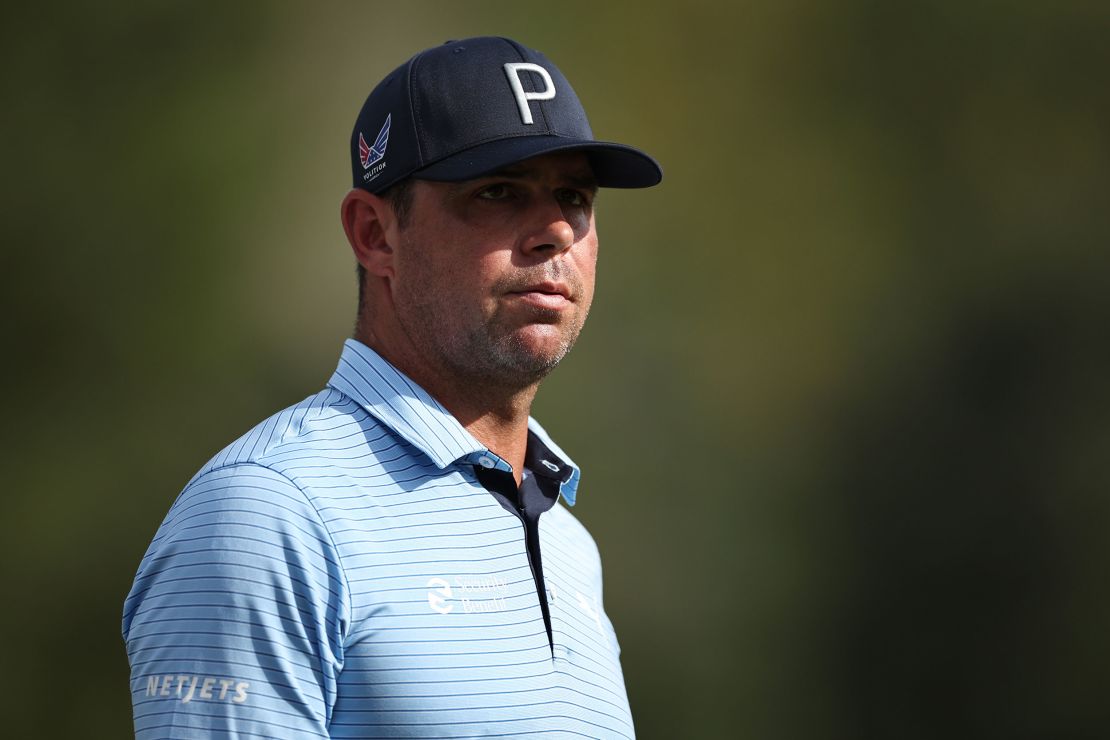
x=367, y=220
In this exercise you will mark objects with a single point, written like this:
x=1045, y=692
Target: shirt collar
x=545, y=458
x=410, y=411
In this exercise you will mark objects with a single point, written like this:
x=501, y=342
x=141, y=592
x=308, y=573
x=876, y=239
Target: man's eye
x=574, y=197
x=494, y=192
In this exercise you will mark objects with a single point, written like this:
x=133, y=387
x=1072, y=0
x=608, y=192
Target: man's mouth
x=547, y=295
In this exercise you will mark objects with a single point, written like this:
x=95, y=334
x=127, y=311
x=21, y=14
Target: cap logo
x=371, y=155
x=512, y=71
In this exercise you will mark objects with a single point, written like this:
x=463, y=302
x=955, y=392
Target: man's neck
x=497, y=416
x=507, y=436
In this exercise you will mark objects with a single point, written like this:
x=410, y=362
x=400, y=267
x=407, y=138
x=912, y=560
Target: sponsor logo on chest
x=469, y=593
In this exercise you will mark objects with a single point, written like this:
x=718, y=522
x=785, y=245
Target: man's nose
x=550, y=232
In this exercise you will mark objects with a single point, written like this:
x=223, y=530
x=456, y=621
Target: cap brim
x=614, y=165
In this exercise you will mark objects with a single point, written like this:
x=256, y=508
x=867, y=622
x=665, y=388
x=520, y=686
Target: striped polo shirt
x=340, y=572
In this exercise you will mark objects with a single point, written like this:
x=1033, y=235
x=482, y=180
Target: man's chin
x=532, y=352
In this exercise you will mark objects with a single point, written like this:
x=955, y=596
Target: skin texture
x=484, y=289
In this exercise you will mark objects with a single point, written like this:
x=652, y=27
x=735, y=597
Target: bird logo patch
x=371, y=155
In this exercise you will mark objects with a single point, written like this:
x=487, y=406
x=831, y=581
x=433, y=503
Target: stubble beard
x=490, y=354
x=512, y=362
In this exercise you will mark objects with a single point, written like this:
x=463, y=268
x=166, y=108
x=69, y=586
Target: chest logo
x=438, y=596
x=592, y=610
x=475, y=594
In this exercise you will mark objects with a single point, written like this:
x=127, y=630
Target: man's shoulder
x=322, y=430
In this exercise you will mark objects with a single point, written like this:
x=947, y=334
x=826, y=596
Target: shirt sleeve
x=235, y=623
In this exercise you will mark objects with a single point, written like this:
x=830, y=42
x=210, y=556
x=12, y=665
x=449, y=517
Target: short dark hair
x=399, y=197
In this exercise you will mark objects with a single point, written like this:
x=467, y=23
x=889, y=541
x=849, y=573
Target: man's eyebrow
x=586, y=182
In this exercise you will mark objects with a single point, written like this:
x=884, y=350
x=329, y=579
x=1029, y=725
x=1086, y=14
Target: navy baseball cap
x=468, y=108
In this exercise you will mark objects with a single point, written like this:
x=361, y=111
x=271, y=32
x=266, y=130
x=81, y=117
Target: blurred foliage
x=842, y=405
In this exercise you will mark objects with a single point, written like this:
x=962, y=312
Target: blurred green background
x=842, y=406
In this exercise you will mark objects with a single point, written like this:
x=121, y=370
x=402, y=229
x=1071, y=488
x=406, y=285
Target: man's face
x=494, y=277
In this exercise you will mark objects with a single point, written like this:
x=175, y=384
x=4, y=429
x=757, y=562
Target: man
x=386, y=558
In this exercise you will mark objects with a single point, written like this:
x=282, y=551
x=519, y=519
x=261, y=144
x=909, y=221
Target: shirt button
x=485, y=462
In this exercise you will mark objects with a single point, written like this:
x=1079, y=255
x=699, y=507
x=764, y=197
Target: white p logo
x=512, y=71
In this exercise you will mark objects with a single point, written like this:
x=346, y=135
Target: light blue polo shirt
x=339, y=572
